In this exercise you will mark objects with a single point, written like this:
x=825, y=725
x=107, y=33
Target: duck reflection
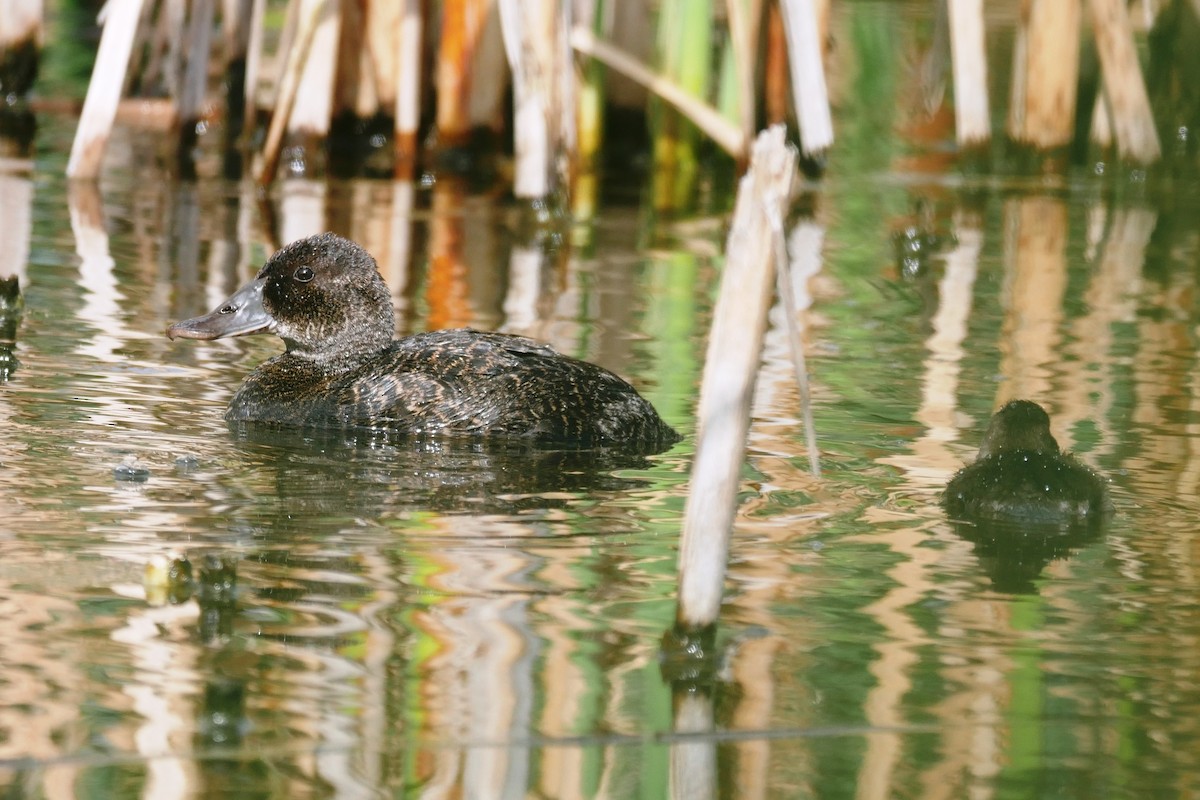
x=1013, y=554
x=368, y=472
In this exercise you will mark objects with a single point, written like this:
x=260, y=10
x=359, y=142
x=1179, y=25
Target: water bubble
x=186, y=462
x=131, y=470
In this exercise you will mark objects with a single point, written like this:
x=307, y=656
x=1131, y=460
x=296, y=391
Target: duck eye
x=303, y=274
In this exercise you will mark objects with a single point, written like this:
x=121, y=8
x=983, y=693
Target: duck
x=342, y=368
x=1020, y=475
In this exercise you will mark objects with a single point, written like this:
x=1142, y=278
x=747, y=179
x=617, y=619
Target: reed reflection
x=462, y=628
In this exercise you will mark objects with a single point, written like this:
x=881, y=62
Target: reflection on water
x=377, y=618
x=1014, y=555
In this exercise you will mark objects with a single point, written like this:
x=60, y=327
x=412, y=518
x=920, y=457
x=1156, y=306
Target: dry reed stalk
x=745, y=19
x=463, y=24
x=730, y=369
x=382, y=52
x=809, y=92
x=529, y=40
x=195, y=78
x=310, y=13
x=775, y=68
x=408, y=87
x=972, y=120
x=104, y=89
x=727, y=135
x=313, y=108
x=1133, y=122
x=354, y=88
x=1046, y=74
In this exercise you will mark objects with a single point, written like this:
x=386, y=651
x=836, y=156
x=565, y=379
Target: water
x=378, y=618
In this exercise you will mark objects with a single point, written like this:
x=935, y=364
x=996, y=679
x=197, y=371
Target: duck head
x=1019, y=425
x=322, y=295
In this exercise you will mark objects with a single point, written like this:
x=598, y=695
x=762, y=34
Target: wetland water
x=432, y=620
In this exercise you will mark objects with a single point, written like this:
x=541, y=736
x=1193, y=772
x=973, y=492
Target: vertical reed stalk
x=104, y=89
x=1133, y=122
x=802, y=28
x=311, y=113
x=195, y=80
x=531, y=39
x=408, y=86
x=354, y=90
x=1045, y=78
x=310, y=13
x=745, y=18
x=462, y=27
x=381, y=51
x=775, y=68
x=971, y=116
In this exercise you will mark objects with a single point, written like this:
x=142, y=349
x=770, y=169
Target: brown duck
x=341, y=368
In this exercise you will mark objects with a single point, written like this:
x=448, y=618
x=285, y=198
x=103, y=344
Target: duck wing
x=467, y=382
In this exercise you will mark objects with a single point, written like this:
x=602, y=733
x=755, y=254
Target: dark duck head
x=1021, y=475
x=341, y=368
x=322, y=295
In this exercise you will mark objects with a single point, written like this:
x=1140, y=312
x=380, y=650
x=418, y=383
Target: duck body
x=455, y=382
x=1022, y=476
x=324, y=297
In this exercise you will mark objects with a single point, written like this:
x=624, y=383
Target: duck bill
x=241, y=314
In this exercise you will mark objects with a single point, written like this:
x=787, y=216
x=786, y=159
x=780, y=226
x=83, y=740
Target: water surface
x=387, y=618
